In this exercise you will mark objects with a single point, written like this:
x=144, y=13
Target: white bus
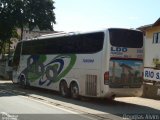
x=104, y=63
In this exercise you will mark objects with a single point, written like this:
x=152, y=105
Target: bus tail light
x=106, y=77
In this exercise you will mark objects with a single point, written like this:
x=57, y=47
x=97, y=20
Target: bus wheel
x=74, y=90
x=64, y=91
x=23, y=81
x=111, y=98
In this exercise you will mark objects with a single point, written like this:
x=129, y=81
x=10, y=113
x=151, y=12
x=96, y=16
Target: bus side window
x=16, y=58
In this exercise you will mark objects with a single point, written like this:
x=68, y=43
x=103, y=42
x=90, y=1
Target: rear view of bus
x=126, y=62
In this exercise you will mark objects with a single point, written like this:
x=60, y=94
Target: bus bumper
x=124, y=92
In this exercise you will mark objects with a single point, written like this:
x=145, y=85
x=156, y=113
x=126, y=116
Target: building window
x=156, y=38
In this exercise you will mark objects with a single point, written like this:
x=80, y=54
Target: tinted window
x=126, y=38
x=17, y=53
x=74, y=44
x=33, y=47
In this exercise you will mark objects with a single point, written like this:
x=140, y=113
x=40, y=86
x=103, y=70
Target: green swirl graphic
x=69, y=67
x=37, y=69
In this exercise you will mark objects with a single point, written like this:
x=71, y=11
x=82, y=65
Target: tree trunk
x=22, y=32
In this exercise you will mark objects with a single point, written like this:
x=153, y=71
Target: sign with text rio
x=151, y=74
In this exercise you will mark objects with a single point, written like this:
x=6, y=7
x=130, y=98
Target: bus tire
x=111, y=98
x=23, y=81
x=74, y=89
x=64, y=90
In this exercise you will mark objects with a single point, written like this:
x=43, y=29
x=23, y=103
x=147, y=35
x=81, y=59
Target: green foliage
x=20, y=13
x=33, y=13
x=40, y=13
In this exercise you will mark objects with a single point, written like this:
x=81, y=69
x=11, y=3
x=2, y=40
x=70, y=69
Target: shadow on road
x=112, y=107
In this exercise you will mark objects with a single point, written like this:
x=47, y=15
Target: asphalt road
x=20, y=107
x=45, y=104
x=26, y=108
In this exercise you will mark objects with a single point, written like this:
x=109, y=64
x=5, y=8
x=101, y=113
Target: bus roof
x=62, y=34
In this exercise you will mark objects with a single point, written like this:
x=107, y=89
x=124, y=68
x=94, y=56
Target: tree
x=6, y=26
x=20, y=13
x=32, y=13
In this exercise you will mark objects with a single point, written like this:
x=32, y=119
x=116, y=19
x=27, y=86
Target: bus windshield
x=126, y=38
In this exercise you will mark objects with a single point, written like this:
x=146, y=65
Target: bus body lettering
x=118, y=49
